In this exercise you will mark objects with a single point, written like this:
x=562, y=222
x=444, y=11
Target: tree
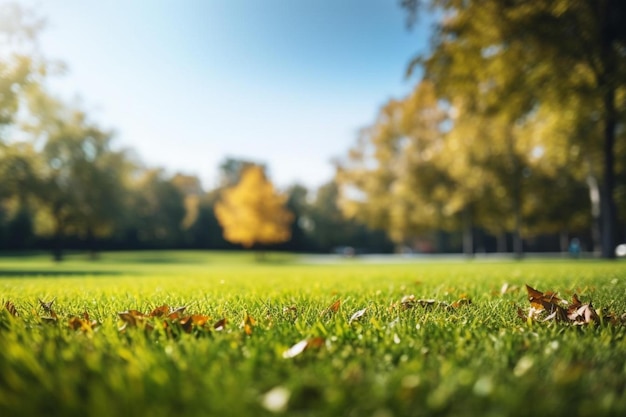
x=516, y=57
x=82, y=178
x=19, y=171
x=298, y=205
x=20, y=65
x=395, y=178
x=252, y=212
x=231, y=170
x=329, y=229
x=156, y=211
x=191, y=188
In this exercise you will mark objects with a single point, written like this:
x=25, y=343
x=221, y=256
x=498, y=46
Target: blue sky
x=188, y=83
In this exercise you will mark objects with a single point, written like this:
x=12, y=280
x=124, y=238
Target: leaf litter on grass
x=547, y=306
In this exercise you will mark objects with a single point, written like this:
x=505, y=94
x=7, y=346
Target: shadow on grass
x=155, y=260
x=44, y=273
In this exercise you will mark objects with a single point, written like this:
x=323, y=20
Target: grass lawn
x=475, y=359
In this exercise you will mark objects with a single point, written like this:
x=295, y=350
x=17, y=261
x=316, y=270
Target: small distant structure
x=574, y=248
x=345, y=251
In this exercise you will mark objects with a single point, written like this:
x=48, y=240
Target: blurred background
x=373, y=126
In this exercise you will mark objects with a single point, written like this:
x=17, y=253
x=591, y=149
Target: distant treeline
x=496, y=157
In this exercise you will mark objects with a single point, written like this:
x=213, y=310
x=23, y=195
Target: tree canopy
x=531, y=105
x=252, y=212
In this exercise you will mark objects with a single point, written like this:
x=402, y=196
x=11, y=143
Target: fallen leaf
x=220, y=325
x=552, y=306
x=581, y=313
x=408, y=301
x=463, y=301
x=84, y=324
x=161, y=311
x=10, y=307
x=47, y=307
x=176, y=313
x=303, y=345
x=186, y=323
x=356, y=316
x=333, y=308
x=534, y=297
x=296, y=349
x=131, y=317
x=248, y=324
x=547, y=301
x=507, y=289
x=200, y=319
x=276, y=399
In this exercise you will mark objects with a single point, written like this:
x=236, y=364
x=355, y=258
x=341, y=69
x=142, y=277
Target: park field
x=291, y=337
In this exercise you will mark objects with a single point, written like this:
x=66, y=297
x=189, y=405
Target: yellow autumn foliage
x=253, y=211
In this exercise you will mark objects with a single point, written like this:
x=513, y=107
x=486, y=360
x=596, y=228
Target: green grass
x=479, y=359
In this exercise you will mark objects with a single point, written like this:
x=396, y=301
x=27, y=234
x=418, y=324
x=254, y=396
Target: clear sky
x=187, y=83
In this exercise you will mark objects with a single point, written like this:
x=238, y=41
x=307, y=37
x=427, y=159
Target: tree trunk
x=607, y=85
x=608, y=214
x=501, y=242
x=594, y=198
x=564, y=240
x=468, y=232
x=518, y=247
x=92, y=244
x=57, y=251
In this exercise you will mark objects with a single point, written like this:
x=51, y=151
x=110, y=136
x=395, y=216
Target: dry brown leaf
x=185, y=322
x=248, y=324
x=433, y=303
x=84, y=324
x=550, y=304
x=188, y=322
x=535, y=297
x=176, y=313
x=10, y=307
x=333, y=308
x=547, y=301
x=408, y=301
x=47, y=307
x=200, y=319
x=582, y=313
x=463, y=301
x=161, y=311
x=131, y=317
x=220, y=325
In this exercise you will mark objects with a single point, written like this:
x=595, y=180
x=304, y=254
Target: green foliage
x=156, y=209
x=477, y=359
x=516, y=121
